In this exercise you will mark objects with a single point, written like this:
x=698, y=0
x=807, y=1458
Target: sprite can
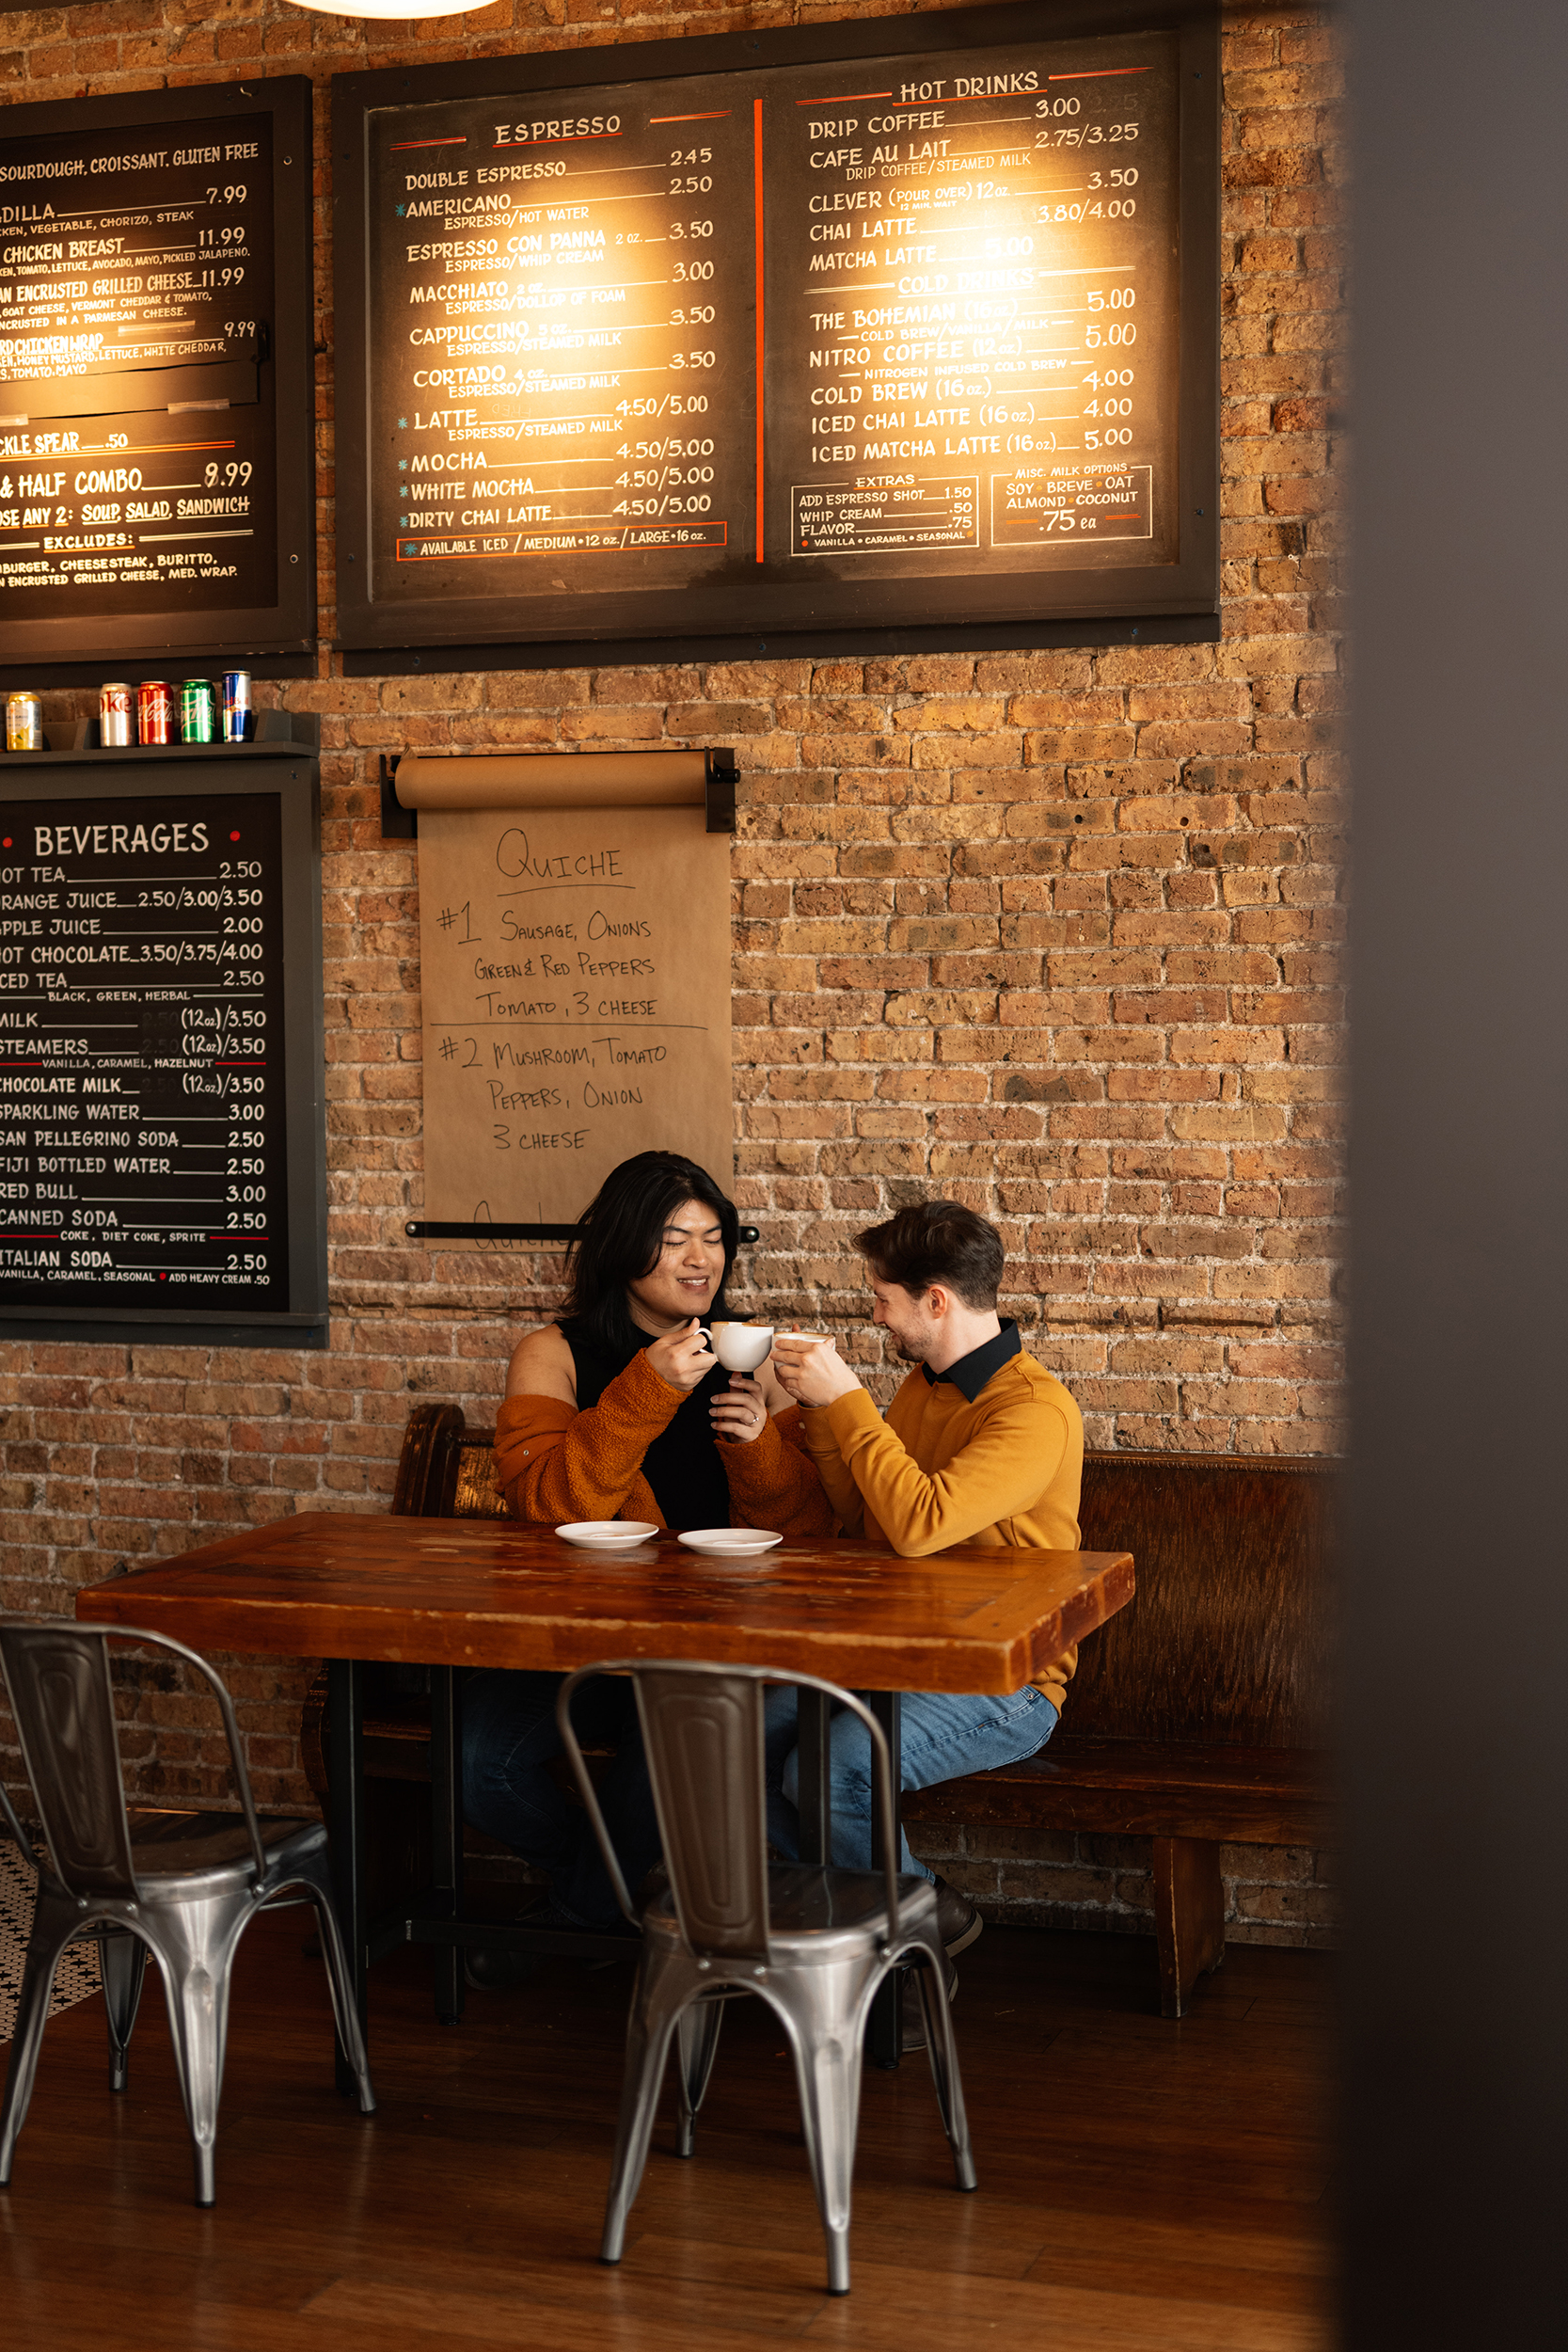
x=198, y=723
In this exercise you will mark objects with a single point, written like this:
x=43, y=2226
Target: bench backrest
x=1229, y=1639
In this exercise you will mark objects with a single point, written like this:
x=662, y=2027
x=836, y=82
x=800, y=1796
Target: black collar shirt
x=971, y=1371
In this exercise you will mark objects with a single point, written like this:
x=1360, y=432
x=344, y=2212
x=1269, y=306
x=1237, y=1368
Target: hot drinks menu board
x=141, y=371
x=148, y=1162
x=882, y=337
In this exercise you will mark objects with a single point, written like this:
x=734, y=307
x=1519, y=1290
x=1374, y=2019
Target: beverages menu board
x=976, y=262
x=144, y=1144
x=780, y=343
x=139, y=454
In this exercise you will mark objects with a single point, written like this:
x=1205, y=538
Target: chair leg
x=54, y=1923
x=665, y=1982
x=943, y=2049
x=1189, y=1916
x=122, y=1965
x=698, y=2032
x=195, y=1971
x=826, y=2010
x=350, y=2033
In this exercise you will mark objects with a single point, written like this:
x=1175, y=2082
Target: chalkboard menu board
x=155, y=490
x=874, y=327
x=160, y=1043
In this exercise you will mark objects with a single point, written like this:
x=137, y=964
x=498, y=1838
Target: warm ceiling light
x=403, y=11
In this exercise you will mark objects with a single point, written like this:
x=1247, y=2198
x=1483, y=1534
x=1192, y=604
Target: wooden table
x=450, y=1594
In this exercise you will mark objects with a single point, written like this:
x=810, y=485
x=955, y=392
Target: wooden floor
x=1143, y=2187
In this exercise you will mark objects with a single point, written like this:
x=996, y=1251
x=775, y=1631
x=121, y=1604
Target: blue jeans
x=509, y=1741
x=942, y=1737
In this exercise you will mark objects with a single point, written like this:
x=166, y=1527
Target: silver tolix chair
x=814, y=1942
x=184, y=1885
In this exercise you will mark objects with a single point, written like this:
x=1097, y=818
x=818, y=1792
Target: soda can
x=236, y=706
x=23, y=722
x=116, y=724
x=198, y=719
x=155, y=711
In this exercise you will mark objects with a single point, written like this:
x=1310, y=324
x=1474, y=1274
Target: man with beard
x=981, y=1445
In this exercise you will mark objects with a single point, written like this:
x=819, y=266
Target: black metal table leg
x=345, y=1696
x=811, y=1726
x=446, y=1841
x=886, y=2034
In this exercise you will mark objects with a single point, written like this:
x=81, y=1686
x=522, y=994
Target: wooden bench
x=1197, y=1716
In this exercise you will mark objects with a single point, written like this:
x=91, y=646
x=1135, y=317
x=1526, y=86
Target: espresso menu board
x=141, y=264
x=147, y=1161
x=874, y=338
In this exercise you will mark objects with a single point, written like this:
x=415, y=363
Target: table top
x=490, y=1593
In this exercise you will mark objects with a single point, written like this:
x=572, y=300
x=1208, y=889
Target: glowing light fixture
x=403, y=11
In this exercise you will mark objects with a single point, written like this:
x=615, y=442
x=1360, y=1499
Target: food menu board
x=140, y=379
x=146, y=1153
x=877, y=336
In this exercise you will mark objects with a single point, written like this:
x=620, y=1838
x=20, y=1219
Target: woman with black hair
x=621, y=1410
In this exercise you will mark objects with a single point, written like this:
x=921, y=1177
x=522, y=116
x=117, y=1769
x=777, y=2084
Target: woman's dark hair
x=621, y=1234
x=937, y=1241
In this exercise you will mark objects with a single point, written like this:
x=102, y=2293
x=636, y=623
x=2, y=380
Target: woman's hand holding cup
x=683, y=1358
x=739, y=1412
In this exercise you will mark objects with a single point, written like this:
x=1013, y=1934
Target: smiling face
x=685, y=1276
x=907, y=1320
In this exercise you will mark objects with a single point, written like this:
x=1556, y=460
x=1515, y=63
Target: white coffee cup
x=742, y=1347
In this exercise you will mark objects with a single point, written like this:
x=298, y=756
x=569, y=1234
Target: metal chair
x=184, y=1885
x=813, y=1943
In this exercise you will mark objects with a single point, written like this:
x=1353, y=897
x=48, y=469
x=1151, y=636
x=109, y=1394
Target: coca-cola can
x=117, y=718
x=156, y=718
x=236, y=706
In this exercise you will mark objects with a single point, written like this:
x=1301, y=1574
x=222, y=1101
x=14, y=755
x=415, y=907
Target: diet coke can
x=236, y=706
x=116, y=723
x=155, y=711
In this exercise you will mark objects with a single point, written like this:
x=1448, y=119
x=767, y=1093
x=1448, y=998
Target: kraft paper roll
x=548, y=780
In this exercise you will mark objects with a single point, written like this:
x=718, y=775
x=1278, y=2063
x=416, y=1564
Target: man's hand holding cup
x=810, y=1368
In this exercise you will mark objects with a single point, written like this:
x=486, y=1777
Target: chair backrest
x=445, y=1469
x=56, y=1675
x=702, y=1736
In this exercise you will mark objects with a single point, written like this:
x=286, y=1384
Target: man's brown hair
x=937, y=1241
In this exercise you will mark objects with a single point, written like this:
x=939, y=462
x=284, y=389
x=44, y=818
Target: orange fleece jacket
x=555, y=1464
x=940, y=1471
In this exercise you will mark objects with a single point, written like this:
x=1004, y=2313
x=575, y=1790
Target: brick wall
x=1056, y=932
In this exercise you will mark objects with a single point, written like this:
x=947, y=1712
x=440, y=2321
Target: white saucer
x=608, y=1535
x=736, y=1543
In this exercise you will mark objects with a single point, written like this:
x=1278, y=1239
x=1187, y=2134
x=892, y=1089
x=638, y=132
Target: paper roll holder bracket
x=720, y=777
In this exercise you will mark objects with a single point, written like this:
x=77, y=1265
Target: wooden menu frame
x=779, y=610
x=48, y=651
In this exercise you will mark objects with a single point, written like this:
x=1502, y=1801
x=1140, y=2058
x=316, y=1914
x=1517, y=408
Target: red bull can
x=236, y=706
x=198, y=723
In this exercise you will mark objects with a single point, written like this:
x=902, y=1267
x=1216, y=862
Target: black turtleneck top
x=683, y=1465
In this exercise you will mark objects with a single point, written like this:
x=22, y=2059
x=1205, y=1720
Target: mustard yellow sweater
x=940, y=1471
